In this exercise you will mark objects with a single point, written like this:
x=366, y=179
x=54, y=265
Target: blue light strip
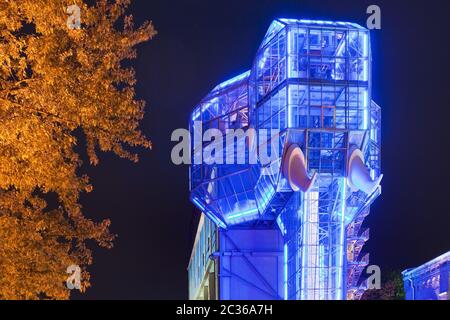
x=303, y=247
x=281, y=225
x=231, y=81
x=290, y=104
x=373, y=196
x=289, y=52
x=196, y=114
x=320, y=22
x=266, y=196
x=366, y=110
x=366, y=78
x=365, y=45
x=243, y=213
x=204, y=107
x=285, y=253
x=339, y=288
x=209, y=214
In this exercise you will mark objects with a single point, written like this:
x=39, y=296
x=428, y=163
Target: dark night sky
x=201, y=43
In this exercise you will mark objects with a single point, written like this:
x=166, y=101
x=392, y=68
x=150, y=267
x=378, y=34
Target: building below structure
x=429, y=281
x=246, y=259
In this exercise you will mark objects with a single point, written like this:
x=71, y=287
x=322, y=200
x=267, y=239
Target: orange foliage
x=55, y=80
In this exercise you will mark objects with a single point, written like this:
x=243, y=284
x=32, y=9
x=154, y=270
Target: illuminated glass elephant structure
x=309, y=92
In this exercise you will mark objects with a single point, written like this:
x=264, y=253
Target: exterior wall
x=235, y=264
x=202, y=269
x=251, y=264
x=429, y=281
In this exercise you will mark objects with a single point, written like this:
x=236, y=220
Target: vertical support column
x=322, y=249
x=341, y=286
x=312, y=263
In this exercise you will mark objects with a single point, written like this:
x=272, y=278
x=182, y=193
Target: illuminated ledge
x=436, y=262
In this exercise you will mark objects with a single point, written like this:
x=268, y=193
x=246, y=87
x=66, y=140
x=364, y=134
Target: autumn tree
x=57, y=79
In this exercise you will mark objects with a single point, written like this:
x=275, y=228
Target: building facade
x=293, y=186
x=429, y=281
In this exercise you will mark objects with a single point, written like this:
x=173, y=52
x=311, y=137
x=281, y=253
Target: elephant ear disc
x=359, y=175
x=295, y=169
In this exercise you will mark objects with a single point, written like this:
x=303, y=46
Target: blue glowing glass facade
x=310, y=89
